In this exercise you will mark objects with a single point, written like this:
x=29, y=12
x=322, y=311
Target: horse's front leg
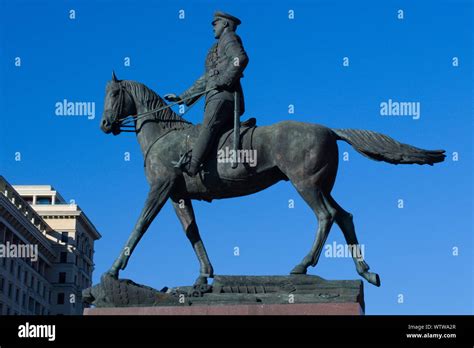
x=184, y=211
x=157, y=197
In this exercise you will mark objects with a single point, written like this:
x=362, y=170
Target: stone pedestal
x=267, y=309
x=230, y=295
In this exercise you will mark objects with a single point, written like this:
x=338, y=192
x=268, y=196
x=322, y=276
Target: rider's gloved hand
x=173, y=98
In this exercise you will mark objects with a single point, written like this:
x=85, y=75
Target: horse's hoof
x=199, y=290
x=200, y=281
x=111, y=273
x=299, y=269
x=377, y=281
x=372, y=278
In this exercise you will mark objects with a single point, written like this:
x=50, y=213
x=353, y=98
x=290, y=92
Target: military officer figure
x=225, y=63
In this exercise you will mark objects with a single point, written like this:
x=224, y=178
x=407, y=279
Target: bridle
x=130, y=121
x=116, y=122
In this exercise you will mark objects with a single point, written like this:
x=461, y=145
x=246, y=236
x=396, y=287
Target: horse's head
x=118, y=104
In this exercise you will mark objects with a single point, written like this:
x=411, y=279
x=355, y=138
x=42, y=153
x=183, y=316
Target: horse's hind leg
x=325, y=213
x=346, y=224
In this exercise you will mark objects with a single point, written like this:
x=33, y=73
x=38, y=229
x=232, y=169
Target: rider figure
x=225, y=63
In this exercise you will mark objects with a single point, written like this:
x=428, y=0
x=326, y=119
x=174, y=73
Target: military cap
x=220, y=14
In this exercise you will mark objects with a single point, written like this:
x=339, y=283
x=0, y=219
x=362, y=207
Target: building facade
x=46, y=251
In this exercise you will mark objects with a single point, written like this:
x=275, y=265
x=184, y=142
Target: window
x=37, y=308
x=28, y=199
x=18, y=273
x=12, y=266
x=2, y=284
x=43, y=200
x=1, y=308
x=8, y=235
x=64, y=237
x=17, y=295
x=31, y=303
x=62, y=277
x=42, y=268
x=23, y=303
x=9, y=290
x=63, y=257
x=61, y=298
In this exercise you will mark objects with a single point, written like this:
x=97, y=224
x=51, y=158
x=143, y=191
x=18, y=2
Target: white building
x=38, y=215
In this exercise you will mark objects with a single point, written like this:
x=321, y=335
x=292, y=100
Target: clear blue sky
x=295, y=62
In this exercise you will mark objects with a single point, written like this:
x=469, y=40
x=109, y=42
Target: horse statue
x=305, y=154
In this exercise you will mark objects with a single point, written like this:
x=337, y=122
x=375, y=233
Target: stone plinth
x=230, y=295
x=267, y=309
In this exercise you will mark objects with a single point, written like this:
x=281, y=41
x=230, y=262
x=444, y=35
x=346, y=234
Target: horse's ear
x=114, y=78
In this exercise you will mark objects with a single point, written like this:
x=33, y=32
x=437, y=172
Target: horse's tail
x=380, y=147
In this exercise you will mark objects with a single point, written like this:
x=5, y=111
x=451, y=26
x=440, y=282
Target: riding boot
x=200, y=151
x=194, y=167
x=217, y=116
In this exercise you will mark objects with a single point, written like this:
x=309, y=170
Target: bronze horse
x=305, y=154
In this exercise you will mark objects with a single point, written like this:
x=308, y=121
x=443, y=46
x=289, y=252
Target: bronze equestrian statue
x=225, y=63
x=305, y=154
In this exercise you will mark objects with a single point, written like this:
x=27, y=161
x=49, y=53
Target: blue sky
x=298, y=62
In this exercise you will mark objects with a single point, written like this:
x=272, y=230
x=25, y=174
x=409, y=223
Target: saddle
x=226, y=139
x=251, y=122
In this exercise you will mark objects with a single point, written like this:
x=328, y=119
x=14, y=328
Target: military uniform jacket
x=225, y=63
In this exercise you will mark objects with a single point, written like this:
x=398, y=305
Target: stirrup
x=183, y=160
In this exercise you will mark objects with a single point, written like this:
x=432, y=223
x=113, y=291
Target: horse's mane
x=167, y=117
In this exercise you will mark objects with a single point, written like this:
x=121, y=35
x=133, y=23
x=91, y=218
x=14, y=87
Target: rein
x=126, y=121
